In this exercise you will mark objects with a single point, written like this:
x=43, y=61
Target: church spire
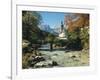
x=62, y=26
x=62, y=34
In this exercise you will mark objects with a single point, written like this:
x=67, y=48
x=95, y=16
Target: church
x=62, y=34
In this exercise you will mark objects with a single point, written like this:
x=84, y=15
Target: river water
x=63, y=58
x=66, y=59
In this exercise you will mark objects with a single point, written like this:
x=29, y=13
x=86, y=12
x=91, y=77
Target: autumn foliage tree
x=77, y=20
x=77, y=25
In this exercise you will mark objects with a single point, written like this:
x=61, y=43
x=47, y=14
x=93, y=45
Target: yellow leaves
x=82, y=20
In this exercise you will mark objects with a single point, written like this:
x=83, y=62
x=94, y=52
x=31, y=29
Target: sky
x=53, y=19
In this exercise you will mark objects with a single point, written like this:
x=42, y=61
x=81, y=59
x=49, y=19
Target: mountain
x=57, y=30
x=45, y=28
x=48, y=29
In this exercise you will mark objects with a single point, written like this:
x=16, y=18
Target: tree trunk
x=51, y=46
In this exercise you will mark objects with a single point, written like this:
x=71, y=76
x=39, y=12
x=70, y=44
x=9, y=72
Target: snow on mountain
x=48, y=29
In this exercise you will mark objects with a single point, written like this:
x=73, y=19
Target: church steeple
x=62, y=26
x=62, y=34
